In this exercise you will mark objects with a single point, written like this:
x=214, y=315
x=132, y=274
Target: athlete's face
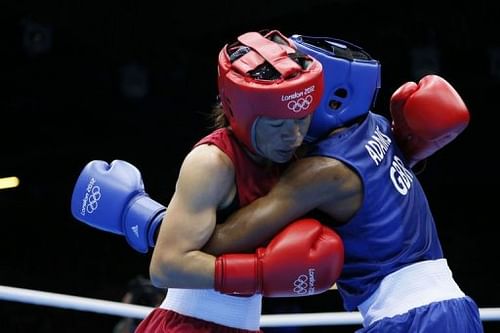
x=277, y=139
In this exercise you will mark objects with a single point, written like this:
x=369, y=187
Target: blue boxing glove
x=111, y=197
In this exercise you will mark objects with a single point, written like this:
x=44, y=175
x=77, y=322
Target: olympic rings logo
x=95, y=196
x=300, y=285
x=300, y=104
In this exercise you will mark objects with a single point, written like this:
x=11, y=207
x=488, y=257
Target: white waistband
x=408, y=288
x=210, y=305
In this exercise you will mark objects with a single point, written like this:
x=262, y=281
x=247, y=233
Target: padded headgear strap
x=263, y=75
x=273, y=53
x=352, y=81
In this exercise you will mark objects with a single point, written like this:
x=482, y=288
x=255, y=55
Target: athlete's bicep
x=191, y=214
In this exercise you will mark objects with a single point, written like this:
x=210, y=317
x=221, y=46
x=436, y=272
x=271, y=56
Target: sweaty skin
x=310, y=183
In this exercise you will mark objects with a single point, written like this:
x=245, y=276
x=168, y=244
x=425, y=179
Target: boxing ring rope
x=119, y=309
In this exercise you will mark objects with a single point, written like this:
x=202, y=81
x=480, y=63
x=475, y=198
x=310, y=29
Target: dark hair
x=217, y=117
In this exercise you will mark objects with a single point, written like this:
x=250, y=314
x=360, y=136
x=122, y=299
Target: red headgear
x=265, y=75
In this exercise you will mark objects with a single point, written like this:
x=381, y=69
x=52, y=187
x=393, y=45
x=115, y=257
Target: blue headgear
x=352, y=81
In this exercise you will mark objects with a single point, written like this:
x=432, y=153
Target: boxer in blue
x=357, y=171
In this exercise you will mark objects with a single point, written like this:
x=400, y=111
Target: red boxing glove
x=305, y=258
x=426, y=117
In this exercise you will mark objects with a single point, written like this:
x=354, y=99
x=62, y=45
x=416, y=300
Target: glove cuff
x=158, y=219
x=237, y=274
x=140, y=222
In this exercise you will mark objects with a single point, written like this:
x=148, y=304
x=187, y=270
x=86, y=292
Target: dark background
x=134, y=81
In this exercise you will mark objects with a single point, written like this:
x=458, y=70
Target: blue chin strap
x=352, y=81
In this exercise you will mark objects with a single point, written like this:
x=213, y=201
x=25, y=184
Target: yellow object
x=9, y=182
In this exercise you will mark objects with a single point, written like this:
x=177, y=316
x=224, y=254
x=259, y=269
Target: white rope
x=73, y=302
x=137, y=311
